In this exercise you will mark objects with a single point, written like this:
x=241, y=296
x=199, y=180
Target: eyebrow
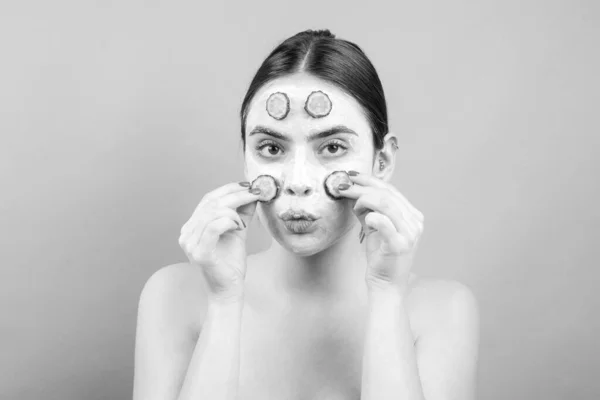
x=319, y=135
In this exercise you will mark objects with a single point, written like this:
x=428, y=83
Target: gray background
x=116, y=119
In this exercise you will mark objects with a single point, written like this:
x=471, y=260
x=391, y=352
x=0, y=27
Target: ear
x=386, y=157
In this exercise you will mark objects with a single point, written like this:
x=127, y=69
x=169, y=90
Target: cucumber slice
x=318, y=104
x=269, y=189
x=333, y=181
x=278, y=105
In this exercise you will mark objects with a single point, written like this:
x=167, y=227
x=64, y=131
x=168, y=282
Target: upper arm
x=169, y=307
x=447, y=352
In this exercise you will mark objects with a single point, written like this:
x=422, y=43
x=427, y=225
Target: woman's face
x=289, y=150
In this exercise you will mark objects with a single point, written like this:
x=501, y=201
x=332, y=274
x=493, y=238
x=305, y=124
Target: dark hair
x=321, y=54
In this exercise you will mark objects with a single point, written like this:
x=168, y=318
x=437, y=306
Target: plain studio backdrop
x=117, y=118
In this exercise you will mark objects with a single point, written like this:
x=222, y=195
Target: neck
x=335, y=273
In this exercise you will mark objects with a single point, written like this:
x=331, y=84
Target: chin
x=309, y=244
x=302, y=247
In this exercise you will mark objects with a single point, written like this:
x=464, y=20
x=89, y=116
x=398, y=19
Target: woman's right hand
x=214, y=238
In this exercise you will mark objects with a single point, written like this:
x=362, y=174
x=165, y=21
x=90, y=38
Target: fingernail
x=352, y=173
x=255, y=191
x=343, y=186
x=244, y=184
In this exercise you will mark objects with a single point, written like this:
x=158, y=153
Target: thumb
x=247, y=212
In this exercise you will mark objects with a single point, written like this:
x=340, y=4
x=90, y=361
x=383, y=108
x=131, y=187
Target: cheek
x=252, y=168
x=336, y=217
x=363, y=151
x=341, y=210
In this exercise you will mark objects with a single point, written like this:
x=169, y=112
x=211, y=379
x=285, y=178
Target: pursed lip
x=291, y=215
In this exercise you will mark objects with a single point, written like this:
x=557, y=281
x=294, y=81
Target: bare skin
x=303, y=347
x=317, y=315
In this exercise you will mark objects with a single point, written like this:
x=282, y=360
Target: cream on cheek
x=255, y=167
x=311, y=164
x=336, y=216
x=340, y=217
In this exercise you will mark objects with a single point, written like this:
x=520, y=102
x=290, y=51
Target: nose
x=297, y=179
x=298, y=189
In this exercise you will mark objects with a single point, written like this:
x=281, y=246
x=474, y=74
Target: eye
x=332, y=148
x=272, y=149
x=335, y=147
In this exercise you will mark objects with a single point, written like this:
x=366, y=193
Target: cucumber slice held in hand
x=269, y=189
x=332, y=182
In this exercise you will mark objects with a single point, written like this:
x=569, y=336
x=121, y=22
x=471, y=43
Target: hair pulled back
x=340, y=62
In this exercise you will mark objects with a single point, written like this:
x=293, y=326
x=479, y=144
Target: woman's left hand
x=393, y=228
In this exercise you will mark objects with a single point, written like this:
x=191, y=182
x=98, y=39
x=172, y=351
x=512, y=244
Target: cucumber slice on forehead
x=332, y=182
x=318, y=104
x=269, y=189
x=278, y=105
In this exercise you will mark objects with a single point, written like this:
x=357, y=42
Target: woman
x=331, y=310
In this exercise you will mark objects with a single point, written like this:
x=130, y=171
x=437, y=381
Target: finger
x=403, y=230
x=371, y=198
x=354, y=191
x=374, y=193
x=208, y=215
x=246, y=212
x=212, y=198
x=390, y=238
x=189, y=242
x=368, y=180
x=210, y=237
x=226, y=189
x=190, y=238
x=383, y=204
x=373, y=181
x=185, y=238
x=244, y=203
x=231, y=200
x=398, y=207
x=238, y=199
x=361, y=207
x=413, y=210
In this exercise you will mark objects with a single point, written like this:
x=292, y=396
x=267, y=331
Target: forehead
x=345, y=109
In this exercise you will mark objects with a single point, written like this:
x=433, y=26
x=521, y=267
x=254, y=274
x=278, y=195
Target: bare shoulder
x=177, y=294
x=445, y=315
x=171, y=312
x=437, y=305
